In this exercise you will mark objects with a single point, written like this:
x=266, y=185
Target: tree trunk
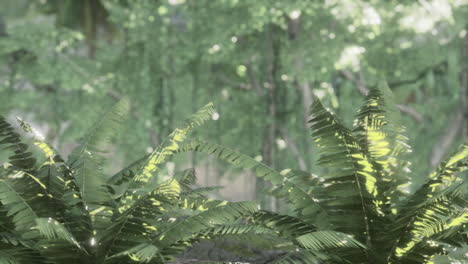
x=268, y=150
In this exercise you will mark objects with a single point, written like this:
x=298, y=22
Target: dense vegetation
x=274, y=69
x=259, y=61
x=57, y=211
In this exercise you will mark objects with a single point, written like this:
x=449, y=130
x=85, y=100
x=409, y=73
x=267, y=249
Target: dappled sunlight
x=422, y=18
x=350, y=58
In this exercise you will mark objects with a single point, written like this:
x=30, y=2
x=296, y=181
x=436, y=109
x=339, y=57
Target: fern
x=304, y=203
x=379, y=131
x=361, y=194
x=219, y=215
x=86, y=160
x=22, y=159
x=69, y=211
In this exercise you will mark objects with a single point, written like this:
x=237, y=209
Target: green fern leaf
x=353, y=179
x=86, y=160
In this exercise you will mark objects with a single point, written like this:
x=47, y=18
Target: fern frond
x=133, y=223
x=445, y=175
x=20, y=255
x=22, y=158
x=53, y=180
x=49, y=152
x=52, y=229
x=303, y=202
x=234, y=229
x=171, y=144
x=186, y=178
x=185, y=229
x=21, y=198
x=351, y=187
x=201, y=192
x=379, y=131
x=430, y=220
x=325, y=240
x=86, y=160
x=167, y=148
x=286, y=225
x=142, y=253
x=127, y=173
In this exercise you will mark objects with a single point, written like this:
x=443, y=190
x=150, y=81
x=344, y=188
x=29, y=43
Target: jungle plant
x=68, y=211
x=364, y=190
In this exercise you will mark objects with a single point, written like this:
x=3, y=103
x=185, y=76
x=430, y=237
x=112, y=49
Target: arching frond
x=325, y=240
x=49, y=152
x=52, y=229
x=20, y=255
x=286, y=225
x=431, y=219
x=23, y=198
x=303, y=202
x=127, y=173
x=235, y=229
x=86, y=160
x=132, y=224
x=379, y=131
x=167, y=148
x=22, y=158
x=186, y=178
x=434, y=206
x=444, y=176
x=183, y=230
x=171, y=144
x=351, y=186
x=142, y=253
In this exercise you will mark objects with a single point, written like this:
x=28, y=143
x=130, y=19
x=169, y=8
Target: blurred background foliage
x=64, y=62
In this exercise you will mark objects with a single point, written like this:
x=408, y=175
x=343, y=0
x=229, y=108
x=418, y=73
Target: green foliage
x=57, y=57
x=69, y=211
x=261, y=62
x=363, y=192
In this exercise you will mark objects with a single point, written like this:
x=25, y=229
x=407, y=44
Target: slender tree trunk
x=195, y=87
x=271, y=108
x=89, y=23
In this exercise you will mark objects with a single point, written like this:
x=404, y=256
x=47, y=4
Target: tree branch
x=411, y=112
x=418, y=77
x=358, y=82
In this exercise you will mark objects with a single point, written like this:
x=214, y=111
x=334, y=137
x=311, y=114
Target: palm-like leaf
x=22, y=158
x=86, y=160
x=379, y=131
x=361, y=192
x=352, y=179
x=440, y=213
x=61, y=212
x=304, y=203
